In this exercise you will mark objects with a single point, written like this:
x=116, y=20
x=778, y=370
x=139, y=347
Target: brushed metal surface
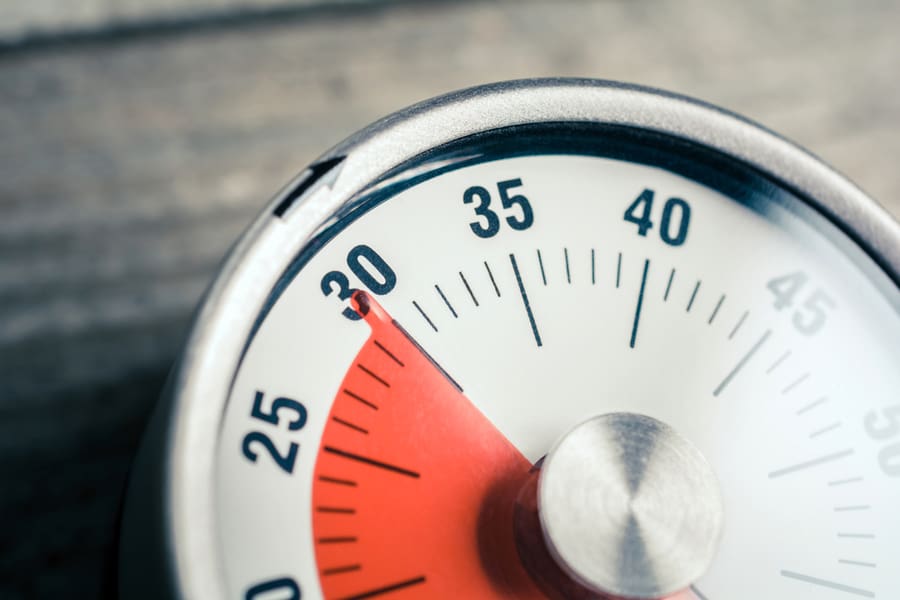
x=629, y=507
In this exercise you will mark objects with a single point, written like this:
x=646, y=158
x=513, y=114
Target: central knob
x=629, y=507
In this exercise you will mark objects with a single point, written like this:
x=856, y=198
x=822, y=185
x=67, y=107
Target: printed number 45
x=812, y=315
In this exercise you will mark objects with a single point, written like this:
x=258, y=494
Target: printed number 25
x=489, y=223
x=272, y=416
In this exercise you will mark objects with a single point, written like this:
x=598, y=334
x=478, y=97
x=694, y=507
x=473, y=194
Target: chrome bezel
x=187, y=426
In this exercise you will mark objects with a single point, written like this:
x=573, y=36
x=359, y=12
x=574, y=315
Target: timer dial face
x=513, y=291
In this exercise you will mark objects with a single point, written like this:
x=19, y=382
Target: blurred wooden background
x=132, y=158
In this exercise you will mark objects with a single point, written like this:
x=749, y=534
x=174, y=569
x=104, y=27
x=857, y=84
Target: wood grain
x=128, y=167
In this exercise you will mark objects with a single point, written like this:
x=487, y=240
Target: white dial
x=552, y=288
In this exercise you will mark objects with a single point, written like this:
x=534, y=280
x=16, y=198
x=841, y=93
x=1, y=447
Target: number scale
x=540, y=339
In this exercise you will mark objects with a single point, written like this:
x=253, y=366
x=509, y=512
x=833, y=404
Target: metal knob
x=629, y=507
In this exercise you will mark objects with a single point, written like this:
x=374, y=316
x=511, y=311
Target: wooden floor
x=129, y=164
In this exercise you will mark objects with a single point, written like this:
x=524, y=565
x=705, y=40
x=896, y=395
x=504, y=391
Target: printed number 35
x=489, y=223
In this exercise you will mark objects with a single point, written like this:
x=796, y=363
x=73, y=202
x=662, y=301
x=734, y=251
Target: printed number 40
x=675, y=212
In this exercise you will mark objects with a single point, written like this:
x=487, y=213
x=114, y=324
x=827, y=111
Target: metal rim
x=256, y=262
